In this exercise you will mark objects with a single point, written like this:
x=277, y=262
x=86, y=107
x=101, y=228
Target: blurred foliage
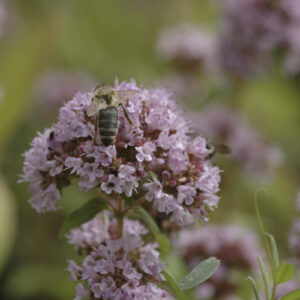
x=105, y=39
x=7, y=221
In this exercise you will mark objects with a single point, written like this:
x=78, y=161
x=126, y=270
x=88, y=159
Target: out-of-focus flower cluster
x=189, y=47
x=185, y=183
x=250, y=31
x=124, y=268
x=291, y=35
x=237, y=248
x=294, y=238
x=294, y=235
x=254, y=29
x=55, y=87
x=227, y=126
x=4, y=17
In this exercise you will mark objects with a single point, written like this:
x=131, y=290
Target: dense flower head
x=188, y=46
x=229, y=127
x=237, y=248
x=116, y=268
x=156, y=159
x=251, y=29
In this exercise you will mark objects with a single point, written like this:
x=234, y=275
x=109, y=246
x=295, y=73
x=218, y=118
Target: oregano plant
x=274, y=272
x=152, y=167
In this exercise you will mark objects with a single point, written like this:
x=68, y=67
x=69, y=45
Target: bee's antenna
x=116, y=80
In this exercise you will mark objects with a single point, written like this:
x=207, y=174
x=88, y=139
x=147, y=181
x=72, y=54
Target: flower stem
x=273, y=292
x=135, y=203
x=106, y=200
x=120, y=217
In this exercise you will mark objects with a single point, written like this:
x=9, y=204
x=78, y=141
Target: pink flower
x=145, y=152
x=209, y=180
x=188, y=46
x=81, y=292
x=178, y=160
x=186, y=194
x=154, y=190
x=117, y=269
x=230, y=127
x=74, y=163
x=159, y=145
x=113, y=184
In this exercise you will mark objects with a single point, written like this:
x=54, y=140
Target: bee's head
x=104, y=91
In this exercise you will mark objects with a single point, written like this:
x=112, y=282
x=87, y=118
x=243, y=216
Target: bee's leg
x=96, y=128
x=127, y=116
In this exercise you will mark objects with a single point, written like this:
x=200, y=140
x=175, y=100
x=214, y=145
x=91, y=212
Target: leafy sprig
x=280, y=271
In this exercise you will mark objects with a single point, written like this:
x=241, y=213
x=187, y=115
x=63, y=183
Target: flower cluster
x=124, y=268
x=247, y=147
x=4, y=17
x=236, y=247
x=188, y=47
x=251, y=29
x=251, y=32
x=54, y=87
x=294, y=238
x=291, y=35
x=156, y=159
x=294, y=234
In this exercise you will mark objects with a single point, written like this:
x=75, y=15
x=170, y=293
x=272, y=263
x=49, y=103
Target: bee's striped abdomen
x=108, y=124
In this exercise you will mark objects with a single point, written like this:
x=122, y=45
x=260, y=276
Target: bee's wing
x=223, y=148
x=95, y=106
x=123, y=95
x=220, y=148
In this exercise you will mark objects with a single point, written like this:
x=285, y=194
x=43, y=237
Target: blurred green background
x=102, y=39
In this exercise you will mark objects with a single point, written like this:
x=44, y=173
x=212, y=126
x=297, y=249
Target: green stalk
x=262, y=230
x=120, y=217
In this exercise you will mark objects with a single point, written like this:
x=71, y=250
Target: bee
x=217, y=148
x=105, y=102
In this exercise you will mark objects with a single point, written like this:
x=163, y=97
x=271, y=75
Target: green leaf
x=175, y=265
x=174, y=286
x=146, y=218
x=162, y=240
x=8, y=221
x=152, y=175
x=274, y=249
x=163, y=243
x=254, y=287
x=199, y=274
x=82, y=215
x=262, y=230
x=265, y=277
x=284, y=273
x=294, y=295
